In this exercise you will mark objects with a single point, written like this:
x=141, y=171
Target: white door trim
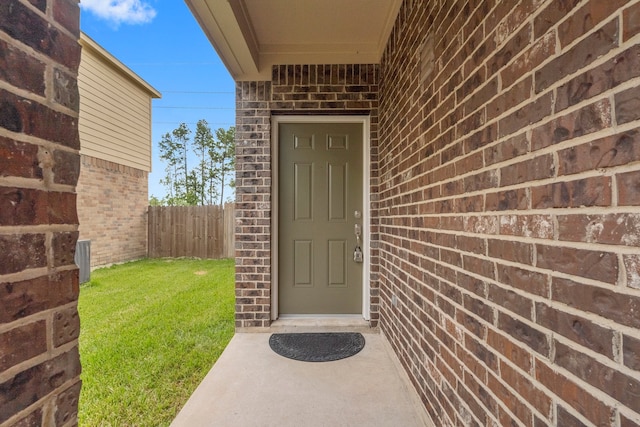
x=366, y=200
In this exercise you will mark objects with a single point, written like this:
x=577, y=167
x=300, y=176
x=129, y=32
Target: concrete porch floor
x=250, y=385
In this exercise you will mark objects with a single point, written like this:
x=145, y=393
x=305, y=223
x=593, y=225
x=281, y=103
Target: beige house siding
x=115, y=136
x=115, y=109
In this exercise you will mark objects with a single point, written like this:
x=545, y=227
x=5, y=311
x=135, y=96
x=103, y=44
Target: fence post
x=229, y=250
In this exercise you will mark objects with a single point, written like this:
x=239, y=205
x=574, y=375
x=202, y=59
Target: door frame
x=365, y=121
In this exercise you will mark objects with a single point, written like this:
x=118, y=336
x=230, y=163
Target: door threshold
x=321, y=323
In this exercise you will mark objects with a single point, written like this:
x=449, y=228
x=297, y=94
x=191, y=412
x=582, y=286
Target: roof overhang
x=251, y=36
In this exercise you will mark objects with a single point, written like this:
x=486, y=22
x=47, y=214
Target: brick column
x=39, y=165
x=253, y=204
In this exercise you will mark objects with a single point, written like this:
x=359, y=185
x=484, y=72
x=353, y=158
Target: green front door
x=320, y=204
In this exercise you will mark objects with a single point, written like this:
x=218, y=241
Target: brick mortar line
x=48, y=15
x=621, y=280
x=617, y=365
x=608, y=94
x=602, y=133
x=36, y=360
x=116, y=161
x=36, y=229
x=599, y=61
x=43, y=404
x=602, y=321
x=618, y=346
x=486, y=301
x=47, y=60
x=592, y=210
x=627, y=84
x=43, y=183
x=534, y=298
x=569, y=244
x=111, y=166
x=584, y=386
x=73, y=422
x=34, y=140
x=530, y=20
x=453, y=404
x=612, y=173
x=45, y=100
x=560, y=50
x=604, y=397
x=598, y=357
x=438, y=356
x=601, y=247
x=29, y=274
x=49, y=248
x=34, y=273
x=32, y=184
x=469, y=372
x=490, y=416
x=586, y=34
x=32, y=318
x=550, y=273
x=630, y=414
x=50, y=323
x=520, y=399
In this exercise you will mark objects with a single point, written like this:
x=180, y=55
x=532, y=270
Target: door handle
x=357, y=253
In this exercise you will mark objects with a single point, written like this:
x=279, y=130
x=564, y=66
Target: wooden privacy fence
x=191, y=231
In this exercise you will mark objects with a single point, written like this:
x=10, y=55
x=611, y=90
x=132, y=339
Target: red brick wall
x=39, y=163
x=115, y=224
x=509, y=213
x=298, y=89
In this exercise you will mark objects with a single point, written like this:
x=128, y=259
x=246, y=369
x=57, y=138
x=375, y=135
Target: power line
x=194, y=123
x=158, y=64
x=197, y=92
x=195, y=108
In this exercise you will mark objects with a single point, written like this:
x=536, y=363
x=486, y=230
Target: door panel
x=337, y=271
x=337, y=192
x=303, y=263
x=320, y=188
x=303, y=192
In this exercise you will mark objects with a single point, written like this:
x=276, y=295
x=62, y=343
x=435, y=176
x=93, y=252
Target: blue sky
x=162, y=42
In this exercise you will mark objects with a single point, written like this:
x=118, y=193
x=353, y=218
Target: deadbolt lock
x=357, y=254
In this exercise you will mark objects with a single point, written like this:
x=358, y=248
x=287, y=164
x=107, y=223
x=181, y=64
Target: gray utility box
x=83, y=259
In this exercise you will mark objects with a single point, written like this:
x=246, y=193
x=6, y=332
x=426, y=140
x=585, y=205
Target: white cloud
x=120, y=11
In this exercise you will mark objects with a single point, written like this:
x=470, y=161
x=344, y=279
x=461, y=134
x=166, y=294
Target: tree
x=154, y=201
x=224, y=157
x=204, y=184
x=203, y=143
x=173, y=149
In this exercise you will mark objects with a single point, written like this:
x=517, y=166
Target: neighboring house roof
x=252, y=35
x=115, y=109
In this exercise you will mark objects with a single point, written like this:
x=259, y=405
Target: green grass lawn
x=150, y=331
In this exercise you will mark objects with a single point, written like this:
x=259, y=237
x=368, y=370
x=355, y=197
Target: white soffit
x=252, y=35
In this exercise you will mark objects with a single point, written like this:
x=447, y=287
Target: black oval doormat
x=317, y=346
